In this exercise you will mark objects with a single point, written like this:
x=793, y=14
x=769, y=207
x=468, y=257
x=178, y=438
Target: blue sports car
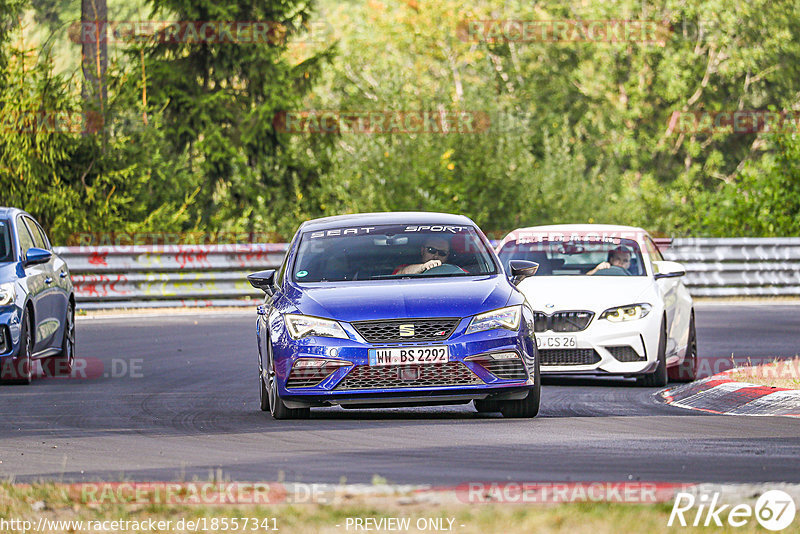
x=395, y=309
x=37, y=302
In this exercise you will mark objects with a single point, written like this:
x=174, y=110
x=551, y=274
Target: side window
x=282, y=269
x=39, y=240
x=45, y=239
x=6, y=249
x=24, y=235
x=652, y=249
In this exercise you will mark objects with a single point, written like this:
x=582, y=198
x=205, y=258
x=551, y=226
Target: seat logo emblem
x=406, y=330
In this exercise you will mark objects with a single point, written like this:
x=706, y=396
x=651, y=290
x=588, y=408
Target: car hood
x=389, y=299
x=596, y=293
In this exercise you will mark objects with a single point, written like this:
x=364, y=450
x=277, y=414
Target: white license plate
x=409, y=355
x=556, y=342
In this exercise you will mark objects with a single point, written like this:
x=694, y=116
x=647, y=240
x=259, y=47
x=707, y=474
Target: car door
x=34, y=281
x=56, y=293
x=677, y=316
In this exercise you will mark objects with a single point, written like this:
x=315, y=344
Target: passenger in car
x=619, y=260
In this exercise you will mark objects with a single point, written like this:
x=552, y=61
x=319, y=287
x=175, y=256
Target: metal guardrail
x=214, y=275
x=169, y=275
x=739, y=266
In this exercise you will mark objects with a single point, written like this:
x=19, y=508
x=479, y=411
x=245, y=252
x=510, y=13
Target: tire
x=262, y=390
x=486, y=406
x=62, y=363
x=529, y=406
x=19, y=370
x=273, y=401
x=658, y=378
x=686, y=371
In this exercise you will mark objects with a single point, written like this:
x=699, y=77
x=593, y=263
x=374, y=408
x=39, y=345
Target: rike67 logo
x=774, y=510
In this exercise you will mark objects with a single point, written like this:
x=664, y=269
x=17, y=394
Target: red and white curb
x=719, y=394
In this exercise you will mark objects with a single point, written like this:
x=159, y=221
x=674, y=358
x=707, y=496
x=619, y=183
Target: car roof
x=391, y=217
x=8, y=213
x=581, y=227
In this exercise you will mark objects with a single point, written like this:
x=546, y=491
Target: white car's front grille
x=565, y=321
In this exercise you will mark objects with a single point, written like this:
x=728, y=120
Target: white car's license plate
x=409, y=355
x=556, y=342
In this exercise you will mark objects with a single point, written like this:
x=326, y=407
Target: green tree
x=219, y=100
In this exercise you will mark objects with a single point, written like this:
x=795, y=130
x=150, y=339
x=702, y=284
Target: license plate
x=556, y=342
x=409, y=355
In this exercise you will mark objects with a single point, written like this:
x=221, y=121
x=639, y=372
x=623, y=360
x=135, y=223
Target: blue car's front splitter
x=409, y=397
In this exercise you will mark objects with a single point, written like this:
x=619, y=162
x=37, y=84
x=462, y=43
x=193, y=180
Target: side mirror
x=263, y=280
x=36, y=256
x=668, y=269
x=521, y=269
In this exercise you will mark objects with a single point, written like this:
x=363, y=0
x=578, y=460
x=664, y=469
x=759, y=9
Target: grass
x=31, y=502
x=778, y=374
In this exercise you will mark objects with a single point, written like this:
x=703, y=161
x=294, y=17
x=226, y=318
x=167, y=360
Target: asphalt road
x=173, y=398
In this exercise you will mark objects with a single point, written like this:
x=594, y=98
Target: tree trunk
x=94, y=61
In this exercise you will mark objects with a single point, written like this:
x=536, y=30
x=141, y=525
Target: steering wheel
x=445, y=268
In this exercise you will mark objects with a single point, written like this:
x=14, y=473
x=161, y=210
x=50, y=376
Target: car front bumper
x=355, y=383
x=605, y=348
x=10, y=331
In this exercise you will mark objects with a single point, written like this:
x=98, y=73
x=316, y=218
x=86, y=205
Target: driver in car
x=619, y=260
x=434, y=252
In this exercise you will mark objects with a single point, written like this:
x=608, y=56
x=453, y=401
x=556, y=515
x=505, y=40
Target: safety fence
x=738, y=266
x=215, y=275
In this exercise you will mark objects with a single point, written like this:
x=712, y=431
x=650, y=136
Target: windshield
x=607, y=256
x=6, y=251
x=389, y=252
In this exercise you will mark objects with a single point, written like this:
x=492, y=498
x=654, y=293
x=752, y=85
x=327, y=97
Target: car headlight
x=507, y=318
x=626, y=313
x=7, y=293
x=300, y=326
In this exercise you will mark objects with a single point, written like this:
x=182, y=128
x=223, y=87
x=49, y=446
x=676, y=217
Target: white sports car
x=606, y=302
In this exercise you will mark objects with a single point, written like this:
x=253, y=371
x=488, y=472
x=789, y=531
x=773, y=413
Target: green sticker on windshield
x=301, y=274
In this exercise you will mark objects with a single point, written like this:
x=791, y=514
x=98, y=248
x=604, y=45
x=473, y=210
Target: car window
x=6, y=250
x=571, y=256
x=25, y=239
x=281, y=274
x=38, y=235
x=381, y=252
x=652, y=249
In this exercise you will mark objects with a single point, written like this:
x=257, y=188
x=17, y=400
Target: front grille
x=505, y=369
x=568, y=356
x=625, y=354
x=539, y=321
x=423, y=330
x=566, y=321
x=3, y=337
x=391, y=376
x=306, y=377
